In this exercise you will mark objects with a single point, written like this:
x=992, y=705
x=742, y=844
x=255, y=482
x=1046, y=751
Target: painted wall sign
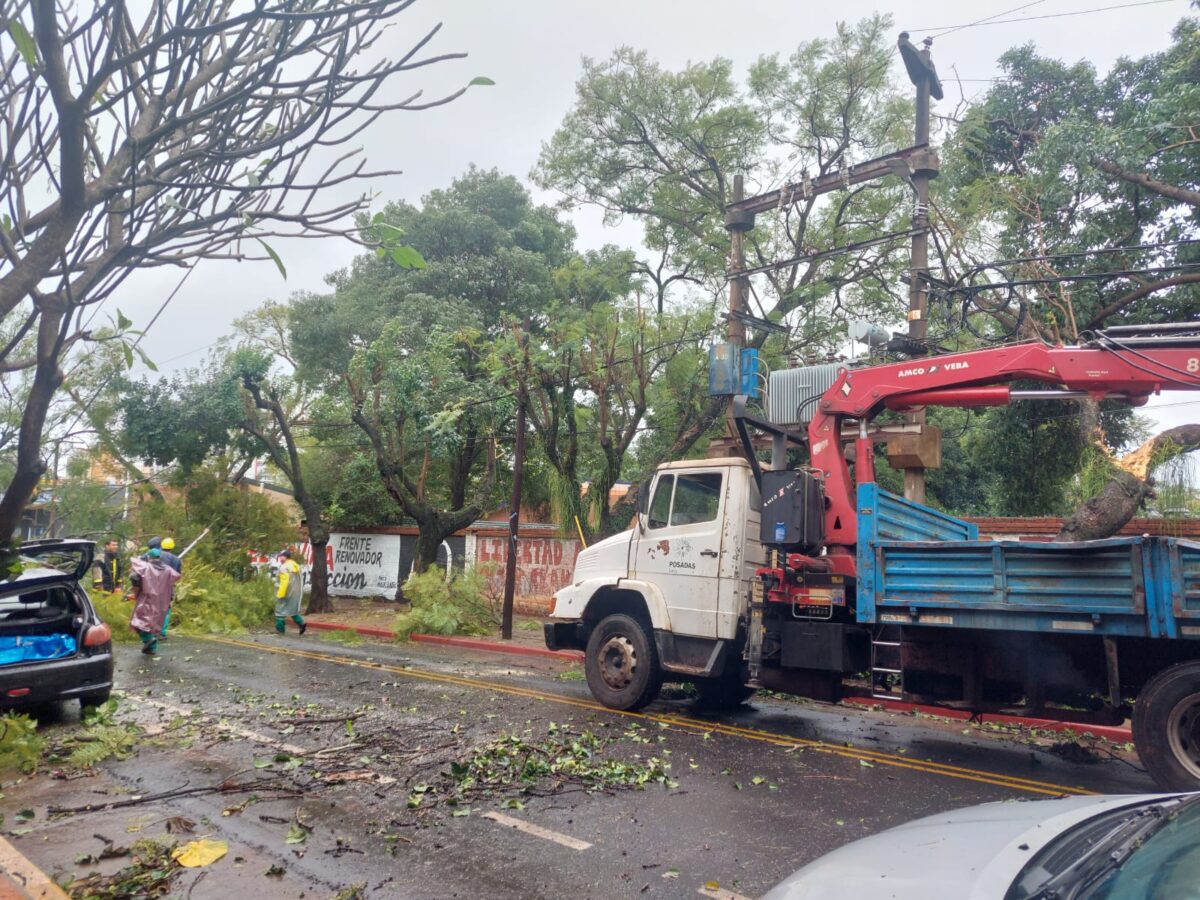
x=543, y=564
x=364, y=565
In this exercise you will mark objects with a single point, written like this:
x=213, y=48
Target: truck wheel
x=622, y=664
x=1166, y=727
x=724, y=692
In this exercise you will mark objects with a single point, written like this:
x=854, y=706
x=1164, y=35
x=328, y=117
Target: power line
x=986, y=19
x=1079, y=12
x=1080, y=254
x=972, y=289
x=161, y=309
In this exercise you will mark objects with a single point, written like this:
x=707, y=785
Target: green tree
x=82, y=507
x=1071, y=175
x=404, y=351
x=273, y=408
x=1058, y=161
x=663, y=147
x=239, y=520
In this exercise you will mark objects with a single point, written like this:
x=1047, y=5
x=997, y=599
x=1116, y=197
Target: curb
x=466, y=643
x=27, y=880
x=1114, y=733
x=497, y=647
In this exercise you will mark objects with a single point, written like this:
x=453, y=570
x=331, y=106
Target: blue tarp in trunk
x=32, y=647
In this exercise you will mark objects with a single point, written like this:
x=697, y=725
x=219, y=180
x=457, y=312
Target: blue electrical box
x=724, y=370
x=750, y=380
x=732, y=371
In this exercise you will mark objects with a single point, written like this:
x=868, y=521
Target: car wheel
x=621, y=663
x=724, y=692
x=1166, y=727
x=97, y=699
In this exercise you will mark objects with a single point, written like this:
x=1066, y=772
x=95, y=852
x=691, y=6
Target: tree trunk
x=318, y=599
x=29, y=464
x=1130, y=486
x=429, y=539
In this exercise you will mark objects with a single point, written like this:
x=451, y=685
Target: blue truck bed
x=917, y=566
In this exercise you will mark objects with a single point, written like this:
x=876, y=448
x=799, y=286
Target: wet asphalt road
x=758, y=794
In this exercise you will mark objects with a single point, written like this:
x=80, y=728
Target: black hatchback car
x=53, y=646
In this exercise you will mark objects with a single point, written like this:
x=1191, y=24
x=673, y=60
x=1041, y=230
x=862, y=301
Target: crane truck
x=737, y=576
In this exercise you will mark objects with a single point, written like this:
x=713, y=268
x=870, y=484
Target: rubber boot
x=166, y=624
x=279, y=624
x=149, y=642
x=300, y=623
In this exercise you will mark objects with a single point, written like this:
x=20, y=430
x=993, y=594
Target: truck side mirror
x=643, y=497
x=643, y=504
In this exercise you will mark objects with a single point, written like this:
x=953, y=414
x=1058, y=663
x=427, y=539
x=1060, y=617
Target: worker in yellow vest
x=290, y=593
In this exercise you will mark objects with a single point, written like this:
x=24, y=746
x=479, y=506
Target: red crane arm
x=970, y=379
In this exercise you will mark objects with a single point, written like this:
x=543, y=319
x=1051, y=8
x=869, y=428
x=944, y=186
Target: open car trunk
x=40, y=623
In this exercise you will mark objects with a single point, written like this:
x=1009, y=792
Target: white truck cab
x=670, y=594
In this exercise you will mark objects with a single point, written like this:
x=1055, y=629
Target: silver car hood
x=966, y=854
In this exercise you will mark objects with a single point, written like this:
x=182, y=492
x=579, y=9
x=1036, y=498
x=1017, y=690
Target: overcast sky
x=532, y=49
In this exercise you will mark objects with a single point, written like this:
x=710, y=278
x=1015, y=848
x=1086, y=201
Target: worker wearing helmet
x=169, y=559
x=152, y=582
x=290, y=593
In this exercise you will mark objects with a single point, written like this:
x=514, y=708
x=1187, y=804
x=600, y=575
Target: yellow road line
x=874, y=757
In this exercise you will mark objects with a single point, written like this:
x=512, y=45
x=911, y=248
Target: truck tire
x=621, y=663
x=1166, y=727
x=727, y=691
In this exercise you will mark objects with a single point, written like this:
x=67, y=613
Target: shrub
x=240, y=521
x=458, y=605
x=210, y=602
x=207, y=601
x=20, y=744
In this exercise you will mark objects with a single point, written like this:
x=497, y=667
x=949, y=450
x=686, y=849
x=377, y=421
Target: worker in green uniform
x=290, y=593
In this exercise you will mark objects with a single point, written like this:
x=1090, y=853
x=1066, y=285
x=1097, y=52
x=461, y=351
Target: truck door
x=680, y=549
x=741, y=553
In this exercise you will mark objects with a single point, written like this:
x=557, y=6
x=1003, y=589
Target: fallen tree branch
x=1129, y=486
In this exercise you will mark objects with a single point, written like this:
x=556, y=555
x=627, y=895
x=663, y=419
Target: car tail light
x=97, y=635
x=17, y=692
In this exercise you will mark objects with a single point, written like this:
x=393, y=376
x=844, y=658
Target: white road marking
x=720, y=894
x=537, y=831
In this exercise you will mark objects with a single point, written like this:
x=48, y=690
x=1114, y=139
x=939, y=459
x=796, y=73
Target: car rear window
x=44, y=563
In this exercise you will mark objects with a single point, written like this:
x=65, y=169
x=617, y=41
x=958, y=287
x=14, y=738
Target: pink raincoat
x=154, y=596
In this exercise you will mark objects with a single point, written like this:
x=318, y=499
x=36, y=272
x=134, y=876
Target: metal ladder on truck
x=887, y=665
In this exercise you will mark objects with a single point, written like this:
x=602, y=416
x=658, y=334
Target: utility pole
x=923, y=75
x=738, y=286
x=514, y=515
x=737, y=262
